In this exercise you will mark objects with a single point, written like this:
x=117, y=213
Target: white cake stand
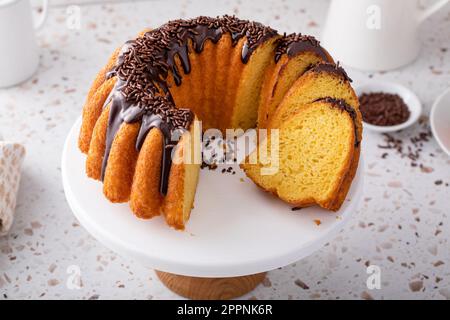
x=236, y=232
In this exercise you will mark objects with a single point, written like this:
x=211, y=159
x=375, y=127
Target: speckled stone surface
x=402, y=225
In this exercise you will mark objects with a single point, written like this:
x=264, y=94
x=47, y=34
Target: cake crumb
x=301, y=284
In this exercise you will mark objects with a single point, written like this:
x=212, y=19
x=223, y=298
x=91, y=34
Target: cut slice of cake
x=321, y=81
x=316, y=153
x=183, y=179
x=230, y=73
x=246, y=101
x=294, y=54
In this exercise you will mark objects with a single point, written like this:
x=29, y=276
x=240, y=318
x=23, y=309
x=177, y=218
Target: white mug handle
x=425, y=14
x=43, y=16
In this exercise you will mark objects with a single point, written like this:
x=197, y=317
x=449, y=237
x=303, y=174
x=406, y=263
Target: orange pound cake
x=138, y=129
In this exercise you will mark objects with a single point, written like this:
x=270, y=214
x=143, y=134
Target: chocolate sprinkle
x=383, y=109
x=408, y=147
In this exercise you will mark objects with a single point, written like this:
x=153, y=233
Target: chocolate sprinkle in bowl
x=388, y=107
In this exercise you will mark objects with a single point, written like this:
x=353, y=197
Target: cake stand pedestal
x=210, y=288
x=236, y=232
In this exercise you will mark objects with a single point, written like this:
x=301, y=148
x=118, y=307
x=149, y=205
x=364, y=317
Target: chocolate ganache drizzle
x=141, y=93
x=294, y=44
x=332, y=68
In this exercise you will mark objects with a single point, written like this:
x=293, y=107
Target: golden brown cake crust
x=92, y=111
x=146, y=199
x=172, y=206
x=101, y=76
x=347, y=182
x=121, y=164
x=97, y=146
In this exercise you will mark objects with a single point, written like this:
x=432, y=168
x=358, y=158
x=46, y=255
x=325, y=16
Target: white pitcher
x=375, y=34
x=19, y=54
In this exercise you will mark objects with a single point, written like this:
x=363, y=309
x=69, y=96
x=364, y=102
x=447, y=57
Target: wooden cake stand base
x=210, y=288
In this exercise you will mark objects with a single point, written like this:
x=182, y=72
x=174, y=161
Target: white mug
x=19, y=53
x=376, y=35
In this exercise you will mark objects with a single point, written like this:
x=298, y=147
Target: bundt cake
x=138, y=126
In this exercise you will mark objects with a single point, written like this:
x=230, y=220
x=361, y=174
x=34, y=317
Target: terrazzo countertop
x=402, y=224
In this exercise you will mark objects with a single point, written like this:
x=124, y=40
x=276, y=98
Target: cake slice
x=294, y=54
x=183, y=180
x=248, y=86
x=323, y=80
x=316, y=153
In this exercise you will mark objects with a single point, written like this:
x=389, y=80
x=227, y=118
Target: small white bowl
x=409, y=97
x=440, y=121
